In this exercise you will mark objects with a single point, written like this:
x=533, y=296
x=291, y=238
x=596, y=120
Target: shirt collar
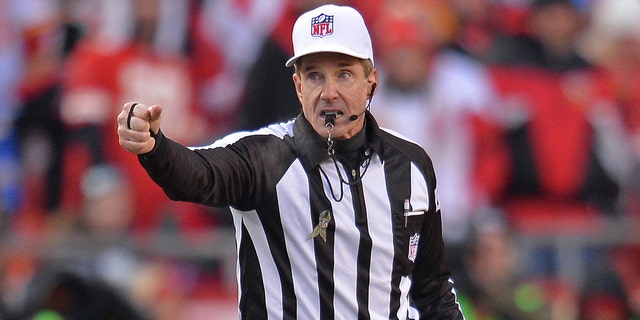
x=312, y=148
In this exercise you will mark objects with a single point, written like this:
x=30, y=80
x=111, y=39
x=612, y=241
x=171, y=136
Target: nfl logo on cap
x=321, y=25
x=331, y=28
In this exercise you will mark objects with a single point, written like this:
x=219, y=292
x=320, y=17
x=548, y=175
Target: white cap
x=331, y=28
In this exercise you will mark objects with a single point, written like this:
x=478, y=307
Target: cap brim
x=325, y=48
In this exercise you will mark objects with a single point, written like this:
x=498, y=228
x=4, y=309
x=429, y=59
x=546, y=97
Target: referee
x=335, y=218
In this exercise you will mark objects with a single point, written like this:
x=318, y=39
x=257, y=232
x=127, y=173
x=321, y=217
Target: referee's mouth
x=329, y=113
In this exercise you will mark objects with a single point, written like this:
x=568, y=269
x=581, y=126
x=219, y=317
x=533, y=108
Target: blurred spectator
x=134, y=49
x=612, y=42
x=39, y=127
x=548, y=41
x=556, y=180
x=554, y=168
x=99, y=263
x=228, y=38
x=495, y=288
x=11, y=64
x=483, y=23
x=55, y=294
x=439, y=98
x=99, y=268
x=478, y=28
x=106, y=218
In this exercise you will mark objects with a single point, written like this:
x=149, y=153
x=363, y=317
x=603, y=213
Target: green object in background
x=529, y=297
x=47, y=315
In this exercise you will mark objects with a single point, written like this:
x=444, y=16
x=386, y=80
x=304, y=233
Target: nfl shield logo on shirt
x=413, y=246
x=321, y=25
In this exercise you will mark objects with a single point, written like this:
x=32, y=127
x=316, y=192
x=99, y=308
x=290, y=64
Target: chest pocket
x=412, y=221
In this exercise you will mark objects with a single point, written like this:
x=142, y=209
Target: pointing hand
x=136, y=122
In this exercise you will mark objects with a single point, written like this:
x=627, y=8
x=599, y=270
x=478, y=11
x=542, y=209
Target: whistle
x=330, y=118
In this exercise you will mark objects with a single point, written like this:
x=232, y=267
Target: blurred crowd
x=530, y=110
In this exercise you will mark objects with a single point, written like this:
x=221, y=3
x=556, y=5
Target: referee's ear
x=374, y=86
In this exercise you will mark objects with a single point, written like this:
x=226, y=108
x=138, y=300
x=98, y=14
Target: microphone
x=355, y=117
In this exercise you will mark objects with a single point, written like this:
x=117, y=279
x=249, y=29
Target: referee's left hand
x=136, y=121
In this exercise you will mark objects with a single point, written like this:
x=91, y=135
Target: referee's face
x=333, y=82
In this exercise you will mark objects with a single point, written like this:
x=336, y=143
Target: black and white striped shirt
x=278, y=180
